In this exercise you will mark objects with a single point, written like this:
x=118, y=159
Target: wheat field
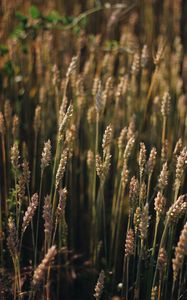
x=93, y=150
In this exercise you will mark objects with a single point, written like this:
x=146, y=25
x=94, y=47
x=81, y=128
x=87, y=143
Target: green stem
x=169, y=252
x=15, y=183
x=163, y=239
x=125, y=280
x=137, y=283
x=173, y=290
x=94, y=191
x=5, y=177
x=155, y=237
x=148, y=188
x=1, y=235
x=104, y=221
x=32, y=225
x=97, y=226
x=54, y=167
x=119, y=216
x=150, y=272
x=164, y=129
x=54, y=204
x=34, y=162
x=115, y=220
x=38, y=218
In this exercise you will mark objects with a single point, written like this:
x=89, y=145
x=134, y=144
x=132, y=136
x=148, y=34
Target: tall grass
x=93, y=154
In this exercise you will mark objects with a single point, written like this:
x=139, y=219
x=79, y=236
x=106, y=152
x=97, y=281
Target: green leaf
x=54, y=17
x=20, y=16
x=8, y=68
x=34, y=12
x=18, y=32
x=24, y=48
x=37, y=26
x=83, y=22
x=76, y=29
x=3, y=50
x=67, y=20
x=111, y=44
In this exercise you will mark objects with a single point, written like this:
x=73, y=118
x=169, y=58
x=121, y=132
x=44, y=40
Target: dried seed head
x=60, y=215
x=177, y=42
x=60, y=211
x=165, y=107
x=61, y=167
x=2, y=124
x=133, y=193
x=143, y=193
x=107, y=138
x=91, y=114
x=39, y=273
x=154, y=293
x=26, y=172
x=142, y=158
x=99, y=166
x=96, y=84
x=162, y=259
x=30, y=212
x=128, y=148
x=62, y=110
x=131, y=128
x=144, y=223
x=73, y=66
x=181, y=162
x=109, y=84
x=177, y=210
x=137, y=219
x=135, y=64
x=14, y=156
x=70, y=138
x=56, y=75
x=79, y=88
x=129, y=244
x=159, y=54
x=46, y=155
x=99, y=286
x=144, y=57
x=159, y=203
x=122, y=139
x=102, y=167
x=15, y=127
x=99, y=98
x=21, y=188
x=12, y=240
x=65, y=120
x=90, y=158
x=180, y=253
x=37, y=119
x=178, y=148
x=8, y=113
x=164, y=152
x=119, y=90
x=124, y=175
x=108, y=89
x=47, y=216
x=70, y=135
x=151, y=161
x=163, y=178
